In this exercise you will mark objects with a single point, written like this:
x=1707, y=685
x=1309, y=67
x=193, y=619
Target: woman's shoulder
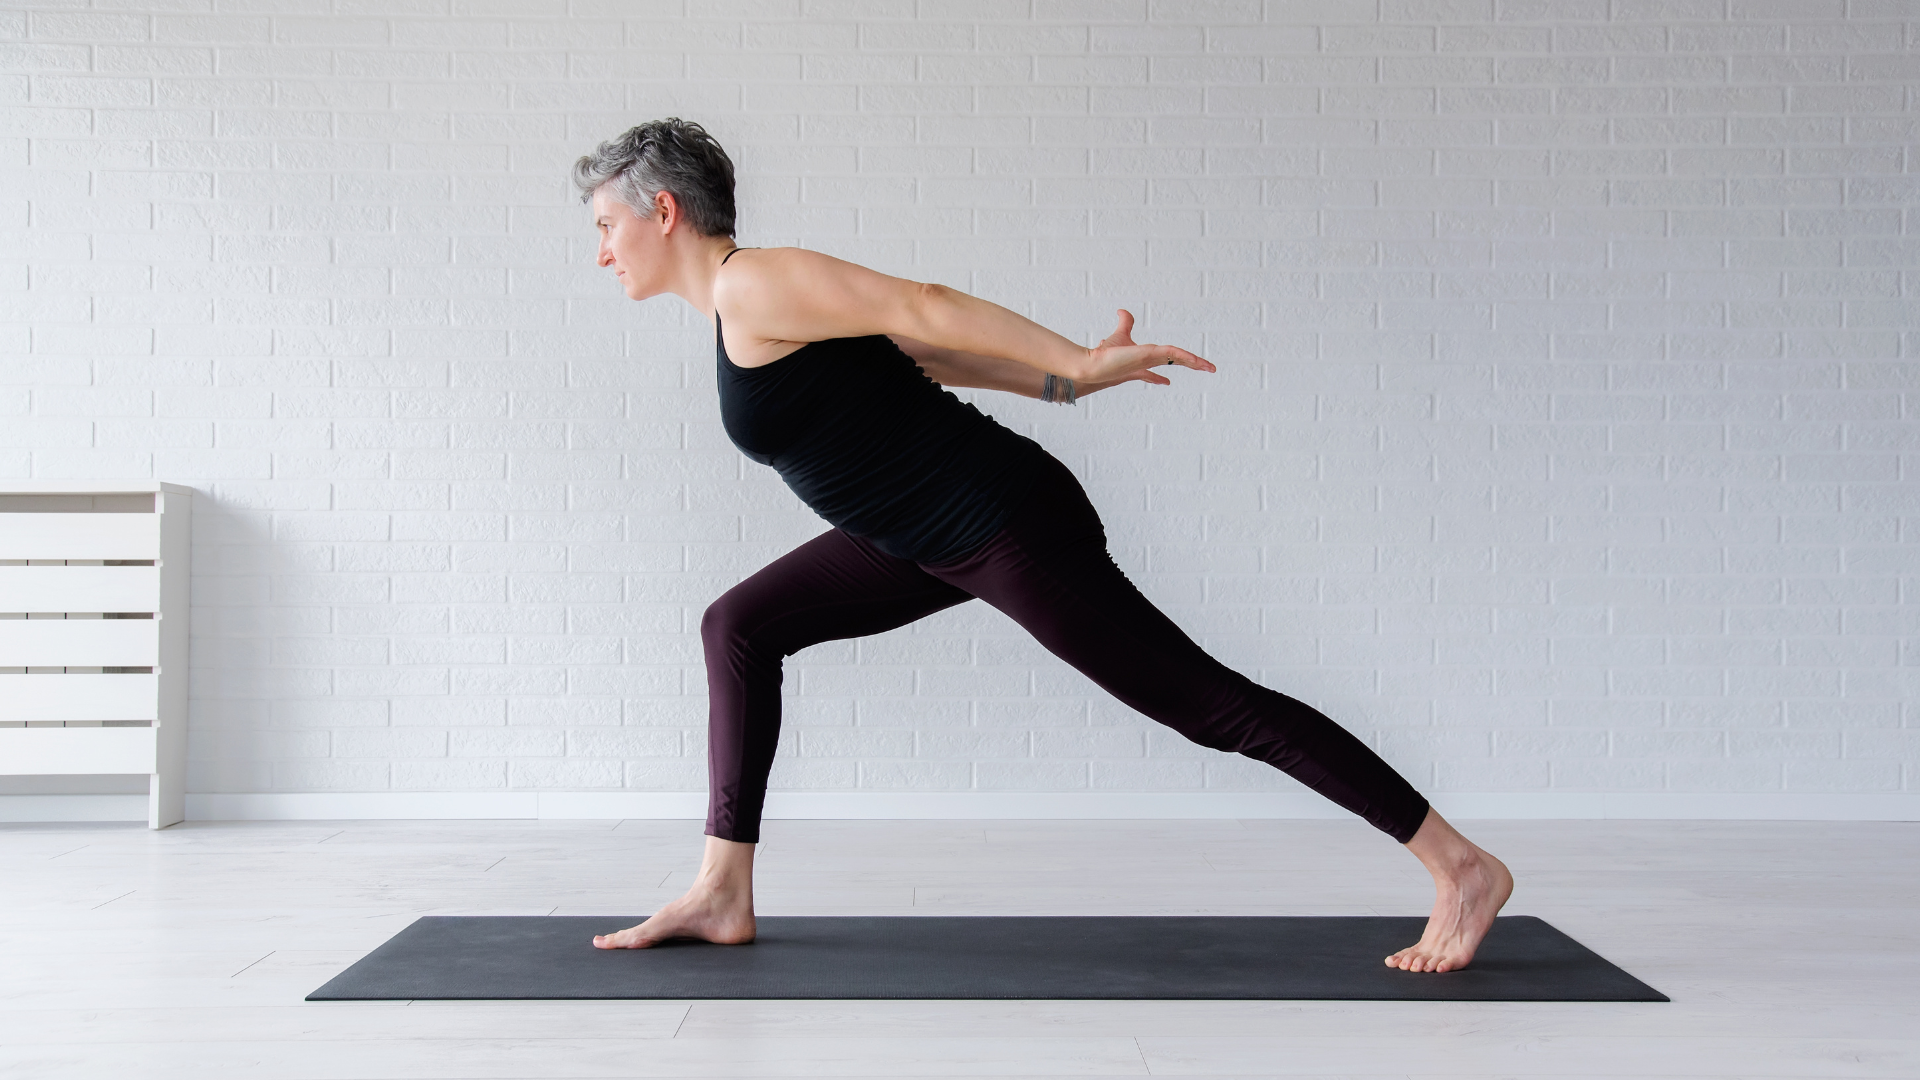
x=755, y=295
x=746, y=266
x=751, y=277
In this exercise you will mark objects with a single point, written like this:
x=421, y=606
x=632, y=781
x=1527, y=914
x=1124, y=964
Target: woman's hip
x=1054, y=514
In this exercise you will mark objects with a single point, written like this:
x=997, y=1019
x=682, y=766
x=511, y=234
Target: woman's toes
x=620, y=939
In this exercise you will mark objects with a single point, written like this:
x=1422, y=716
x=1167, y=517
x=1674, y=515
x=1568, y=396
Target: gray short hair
x=664, y=155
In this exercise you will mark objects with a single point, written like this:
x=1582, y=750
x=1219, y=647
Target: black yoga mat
x=1163, y=957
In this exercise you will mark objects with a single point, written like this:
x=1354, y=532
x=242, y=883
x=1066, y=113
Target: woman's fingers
x=1175, y=355
x=1129, y=361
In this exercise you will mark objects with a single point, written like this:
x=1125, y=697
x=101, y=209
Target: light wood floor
x=1790, y=950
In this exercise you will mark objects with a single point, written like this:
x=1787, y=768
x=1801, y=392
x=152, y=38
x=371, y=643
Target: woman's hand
x=1117, y=359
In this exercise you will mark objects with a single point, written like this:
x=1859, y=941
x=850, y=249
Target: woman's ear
x=666, y=209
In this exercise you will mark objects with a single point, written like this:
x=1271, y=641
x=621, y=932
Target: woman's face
x=634, y=246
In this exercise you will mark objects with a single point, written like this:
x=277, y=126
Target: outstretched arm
x=952, y=368
x=791, y=294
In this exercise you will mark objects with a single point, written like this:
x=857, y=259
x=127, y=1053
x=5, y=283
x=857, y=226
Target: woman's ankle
x=1442, y=849
x=726, y=865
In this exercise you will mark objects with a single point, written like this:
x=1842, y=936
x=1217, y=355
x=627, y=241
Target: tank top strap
x=717, y=341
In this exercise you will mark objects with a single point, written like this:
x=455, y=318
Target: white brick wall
x=1560, y=440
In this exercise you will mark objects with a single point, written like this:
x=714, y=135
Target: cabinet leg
x=166, y=800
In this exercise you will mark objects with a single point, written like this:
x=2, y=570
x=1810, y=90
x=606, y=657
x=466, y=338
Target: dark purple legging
x=1048, y=568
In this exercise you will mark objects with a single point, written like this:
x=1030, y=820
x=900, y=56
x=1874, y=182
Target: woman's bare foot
x=718, y=908
x=1470, y=888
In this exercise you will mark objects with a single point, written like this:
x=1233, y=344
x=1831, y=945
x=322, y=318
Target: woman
x=820, y=369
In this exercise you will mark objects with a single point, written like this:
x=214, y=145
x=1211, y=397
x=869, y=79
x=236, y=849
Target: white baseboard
x=1035, y=805
x=958, y=805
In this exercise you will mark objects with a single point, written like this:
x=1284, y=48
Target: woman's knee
x=728, y=624
x=1217, y=709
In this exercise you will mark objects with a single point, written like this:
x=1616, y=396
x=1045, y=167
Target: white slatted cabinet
x=93, y=633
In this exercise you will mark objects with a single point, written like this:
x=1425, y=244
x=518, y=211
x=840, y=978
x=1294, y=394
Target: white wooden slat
x=79, y=697
x=90, y=487
x=79, y=642
x=41, y=751
x=79, y=536
x=79, y=588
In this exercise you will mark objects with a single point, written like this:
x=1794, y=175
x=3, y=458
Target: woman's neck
x=697, y=264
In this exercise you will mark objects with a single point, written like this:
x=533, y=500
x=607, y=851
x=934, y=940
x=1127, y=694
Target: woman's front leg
x=718, y=908
x=829, y=588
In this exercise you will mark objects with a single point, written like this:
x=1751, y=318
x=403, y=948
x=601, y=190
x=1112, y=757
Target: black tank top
x=875, y=447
